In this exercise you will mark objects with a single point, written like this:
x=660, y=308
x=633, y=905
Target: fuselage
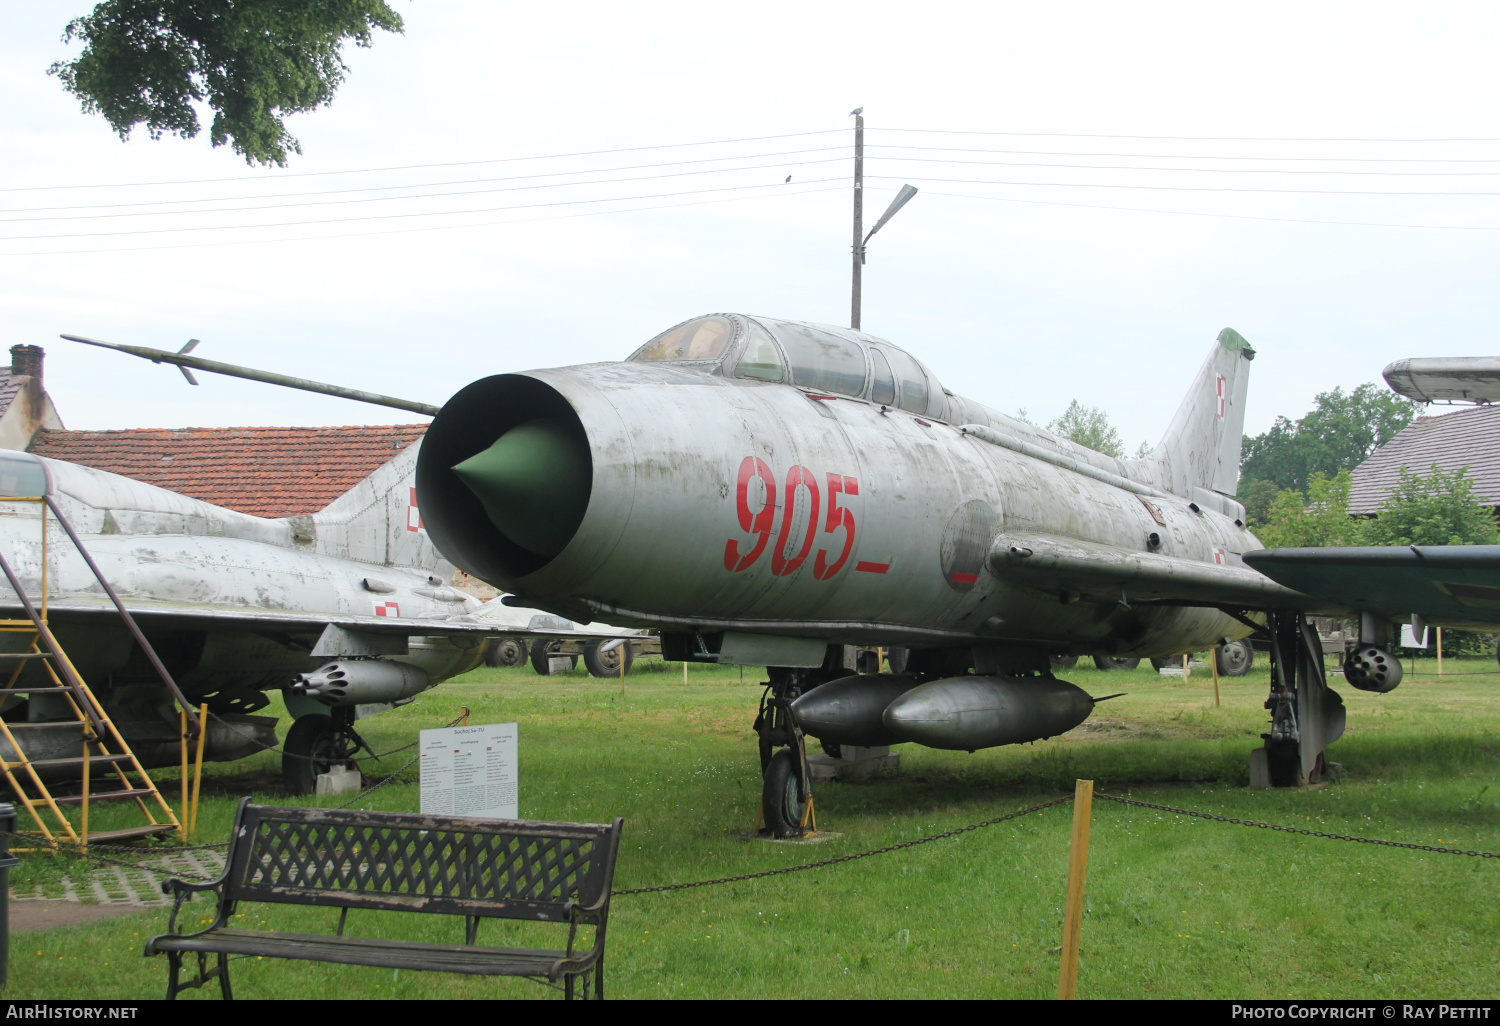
x=719, y=501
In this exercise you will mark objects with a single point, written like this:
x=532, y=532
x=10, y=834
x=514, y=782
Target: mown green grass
x=1176, y=907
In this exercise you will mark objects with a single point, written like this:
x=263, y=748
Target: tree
x=1439, y=509
x=1339, y=433
x=1088, y=426
x=1322, y=518
x=149, y=61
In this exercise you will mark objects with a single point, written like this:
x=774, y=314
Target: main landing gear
x=1306, y=714
x=316, y=744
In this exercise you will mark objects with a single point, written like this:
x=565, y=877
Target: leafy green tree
x=1439, y=509
x=1340, y=433
x=1089, y=426
x=1258, y=497
x=1321, y=518
x=149, y=61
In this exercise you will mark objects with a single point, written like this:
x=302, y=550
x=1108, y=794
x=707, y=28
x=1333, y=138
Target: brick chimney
x=26, y=361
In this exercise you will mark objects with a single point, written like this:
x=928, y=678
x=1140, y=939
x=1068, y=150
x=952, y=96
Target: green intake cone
x=534, y=483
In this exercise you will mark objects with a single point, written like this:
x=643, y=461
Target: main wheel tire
x=1163, y=662
x=311, y=748
x=1235, y=659
x=1063, y=662
x=606, y=664
x=506, y=652
x=1108, y=663
x=896, y=658
x=542, y=651
x=781, y=795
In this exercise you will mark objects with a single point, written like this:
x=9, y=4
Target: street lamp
x=861, y=239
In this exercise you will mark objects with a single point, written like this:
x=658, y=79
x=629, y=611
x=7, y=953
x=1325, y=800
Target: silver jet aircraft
x=347, y=611
x=763, y=491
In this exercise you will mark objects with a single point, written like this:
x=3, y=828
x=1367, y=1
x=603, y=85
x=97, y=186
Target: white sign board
x=1409, y=637
x=470, y=771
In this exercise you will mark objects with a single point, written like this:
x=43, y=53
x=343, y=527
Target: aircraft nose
x=533, y=482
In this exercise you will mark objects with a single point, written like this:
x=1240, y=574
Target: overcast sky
x=1106, y=283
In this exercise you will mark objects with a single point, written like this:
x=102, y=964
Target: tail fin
x=1202, y=447
x=377, y=520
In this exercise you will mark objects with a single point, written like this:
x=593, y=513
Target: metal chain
x=846, y=858
x=1294, y=830
x=379, y=784
x=309, y=758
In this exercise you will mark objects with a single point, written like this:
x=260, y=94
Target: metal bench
x=400, y=862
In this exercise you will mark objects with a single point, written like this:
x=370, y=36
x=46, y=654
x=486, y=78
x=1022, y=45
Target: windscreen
x=909, y=376
x=823, y=361
x=703, y=338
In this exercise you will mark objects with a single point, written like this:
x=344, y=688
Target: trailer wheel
x=542, y=651
x=506, y=652
x=1108, y=663
x=1235, y=659
x=606, y=664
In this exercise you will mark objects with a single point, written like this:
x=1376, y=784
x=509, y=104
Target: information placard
x=470, y=771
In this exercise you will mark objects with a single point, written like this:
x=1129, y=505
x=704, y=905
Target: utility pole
x=859, y=214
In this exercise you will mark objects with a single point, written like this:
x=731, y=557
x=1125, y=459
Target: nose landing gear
x=786, y=804
x=316, y=744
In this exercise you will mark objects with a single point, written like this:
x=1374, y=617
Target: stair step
x=130, y=833
x=39, y=763
x=49, y=689
x=99, y=796
x=24, y=655
x=46, y=725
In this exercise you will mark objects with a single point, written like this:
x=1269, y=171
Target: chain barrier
x=307, y=758
x=1294, y=830
x=846, y=858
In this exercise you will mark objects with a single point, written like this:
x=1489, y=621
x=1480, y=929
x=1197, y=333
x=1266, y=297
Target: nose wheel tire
x=781, y=797
x=1107, y=663
x=312, y=747
x=1063, y=662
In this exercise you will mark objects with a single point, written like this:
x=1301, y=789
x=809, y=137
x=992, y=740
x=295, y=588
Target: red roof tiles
x=263, y=471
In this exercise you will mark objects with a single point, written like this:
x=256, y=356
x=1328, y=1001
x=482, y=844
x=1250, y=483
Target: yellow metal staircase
x=86, y=746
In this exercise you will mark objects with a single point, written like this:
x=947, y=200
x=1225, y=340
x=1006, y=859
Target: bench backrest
x=503, y=868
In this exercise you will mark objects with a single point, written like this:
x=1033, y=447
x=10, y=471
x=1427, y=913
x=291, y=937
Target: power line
x=1235, y=217
x=792, y=191
x=1190, y=138
x=1182, y=188
x=1184, y=156
x=385, y=217
x=430, y=195
x=1193, y=170
x=422, y=167
x=423, y=185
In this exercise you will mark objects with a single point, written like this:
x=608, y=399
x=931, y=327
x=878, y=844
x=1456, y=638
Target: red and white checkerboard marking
x=387, y=609
x=1221, y=557
x=414, y=515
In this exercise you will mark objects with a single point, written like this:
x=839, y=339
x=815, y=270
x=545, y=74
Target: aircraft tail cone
x=534, y=483
x=968, y=713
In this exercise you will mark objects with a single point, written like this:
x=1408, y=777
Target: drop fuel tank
x=967, y=713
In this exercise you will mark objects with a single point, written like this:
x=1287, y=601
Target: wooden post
x=1440, y=650
x=1213, y=658
x=198, y=765
x=463, y=719
x=684, y=671
x=182, y=739
x=1078, y=864
x=1185, y=657
x=84, y=828
x=622, y=666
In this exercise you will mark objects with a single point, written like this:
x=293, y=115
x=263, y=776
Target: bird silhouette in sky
x=788, y=179
x=856, y=110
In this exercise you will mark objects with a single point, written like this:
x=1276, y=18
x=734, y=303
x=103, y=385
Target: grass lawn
x=1176, y=907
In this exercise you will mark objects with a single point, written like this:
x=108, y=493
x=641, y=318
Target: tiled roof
x=264, y=471
x=9, y=386
x=1469, y=438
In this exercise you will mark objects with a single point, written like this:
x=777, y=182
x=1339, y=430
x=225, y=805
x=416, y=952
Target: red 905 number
x=801, y=485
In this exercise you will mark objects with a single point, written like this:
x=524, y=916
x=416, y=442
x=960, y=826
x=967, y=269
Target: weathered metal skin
x=848, y=711
x=967, y=713
x=666, y=538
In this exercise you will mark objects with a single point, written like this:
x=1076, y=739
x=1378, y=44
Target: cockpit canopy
x=812, y=356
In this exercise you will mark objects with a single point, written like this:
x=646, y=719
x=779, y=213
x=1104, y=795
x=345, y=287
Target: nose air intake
x=533, y=483
x=504, y=477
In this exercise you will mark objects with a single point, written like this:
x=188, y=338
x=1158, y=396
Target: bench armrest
x=181, y=890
